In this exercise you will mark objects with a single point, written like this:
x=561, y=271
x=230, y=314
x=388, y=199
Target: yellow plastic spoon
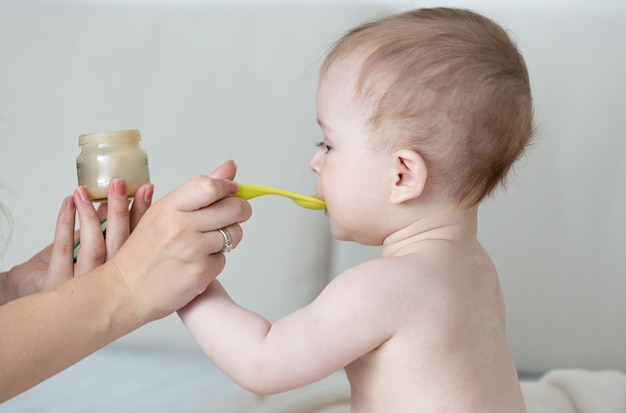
x=251, y=191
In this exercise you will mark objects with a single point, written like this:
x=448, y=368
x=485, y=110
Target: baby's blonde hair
x=450, y=84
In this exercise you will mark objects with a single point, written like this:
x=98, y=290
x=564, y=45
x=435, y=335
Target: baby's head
x=450, y=85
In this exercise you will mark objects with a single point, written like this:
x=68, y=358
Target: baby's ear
x=410, y=176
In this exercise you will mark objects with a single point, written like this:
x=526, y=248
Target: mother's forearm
x=42, y=334
x=7, y=290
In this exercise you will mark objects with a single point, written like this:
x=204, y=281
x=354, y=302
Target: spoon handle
x=251, y=191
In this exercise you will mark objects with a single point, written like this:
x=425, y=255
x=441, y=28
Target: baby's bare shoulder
x=432, y=273
x=390, y=280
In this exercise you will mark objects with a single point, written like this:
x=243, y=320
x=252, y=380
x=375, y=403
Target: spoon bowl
x=252, y=191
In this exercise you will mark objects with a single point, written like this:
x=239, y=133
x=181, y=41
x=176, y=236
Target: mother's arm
x=170, y=258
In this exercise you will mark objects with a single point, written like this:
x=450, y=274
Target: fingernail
x=233, y=187
x=81, y=191
x=149, y=193
x=119, y=187
x=68, y=203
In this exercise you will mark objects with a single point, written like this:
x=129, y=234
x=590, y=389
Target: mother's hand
x=120, y=222
x=176, y=249
x=55, y=263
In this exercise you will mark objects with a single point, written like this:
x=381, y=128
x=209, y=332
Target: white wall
x=558, y=5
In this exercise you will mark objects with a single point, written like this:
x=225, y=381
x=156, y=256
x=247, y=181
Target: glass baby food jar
x=108, y=155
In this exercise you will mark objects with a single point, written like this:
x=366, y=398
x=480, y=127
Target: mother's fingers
x=221, y=214
x=118, y=217
x=225, y=171
x=218, y=241
x=141, y=203
x=199, y=192
x=93, y=249
x=61, y=264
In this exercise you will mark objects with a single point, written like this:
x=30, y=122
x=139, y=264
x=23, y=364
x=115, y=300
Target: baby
x=422, y=113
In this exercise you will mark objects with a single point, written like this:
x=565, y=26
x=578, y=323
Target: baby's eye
x=324, y=146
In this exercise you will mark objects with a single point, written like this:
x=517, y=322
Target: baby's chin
x=338, y=232
x=345, y=234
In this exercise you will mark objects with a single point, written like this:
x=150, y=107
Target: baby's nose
x=315, y=163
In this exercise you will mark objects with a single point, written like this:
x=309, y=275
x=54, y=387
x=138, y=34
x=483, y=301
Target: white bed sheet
x=120, y=380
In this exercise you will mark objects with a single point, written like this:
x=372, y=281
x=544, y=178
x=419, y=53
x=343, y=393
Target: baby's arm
x=347, y=320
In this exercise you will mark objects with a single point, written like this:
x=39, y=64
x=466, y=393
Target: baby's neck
x=446, y=224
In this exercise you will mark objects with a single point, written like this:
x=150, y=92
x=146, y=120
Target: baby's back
x=447, y=351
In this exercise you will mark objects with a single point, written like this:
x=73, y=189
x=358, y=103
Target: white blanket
x=577, y=391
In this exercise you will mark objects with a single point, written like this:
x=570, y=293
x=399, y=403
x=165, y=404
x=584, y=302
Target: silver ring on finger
x=228, y=242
